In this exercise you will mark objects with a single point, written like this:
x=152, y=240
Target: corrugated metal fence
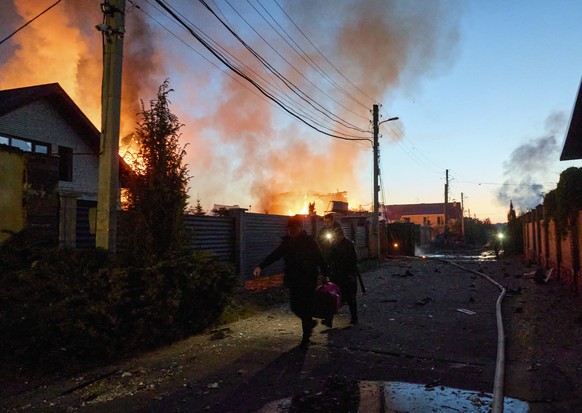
x=243, y=239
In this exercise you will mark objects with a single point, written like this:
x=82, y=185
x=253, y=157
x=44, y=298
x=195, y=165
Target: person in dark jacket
x=344, y=269
x=303, y=261
x=325, y=238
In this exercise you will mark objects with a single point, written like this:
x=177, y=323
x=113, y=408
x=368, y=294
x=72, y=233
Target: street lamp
x=388, y=120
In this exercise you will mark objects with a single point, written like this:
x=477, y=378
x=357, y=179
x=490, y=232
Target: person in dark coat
x=325, y=238
x=344, y=269
x=303, y=261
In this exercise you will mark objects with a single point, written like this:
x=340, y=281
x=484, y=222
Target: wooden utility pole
x=376, y=189
x=113, y=29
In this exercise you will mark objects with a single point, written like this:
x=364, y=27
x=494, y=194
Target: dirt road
x=422, y=321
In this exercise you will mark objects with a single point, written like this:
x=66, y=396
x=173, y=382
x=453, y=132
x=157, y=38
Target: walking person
x=325, y=238
x=303, y=261
x=344, y=270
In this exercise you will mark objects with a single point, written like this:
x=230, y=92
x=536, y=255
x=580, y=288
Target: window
x=41, y=148
x=65, y=164
x=25, y=145
x=22, y=144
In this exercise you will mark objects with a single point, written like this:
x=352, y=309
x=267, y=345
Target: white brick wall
x=39, y=121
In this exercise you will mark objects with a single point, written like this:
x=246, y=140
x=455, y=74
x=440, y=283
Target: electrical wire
x=325, y=111
x=326, y=59
x=289, y=84
x=229, y=64
x=267, y=84
x=303, y=54
x=30, y=21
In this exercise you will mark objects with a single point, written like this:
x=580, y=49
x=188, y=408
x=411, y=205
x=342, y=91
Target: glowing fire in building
x=292, y=203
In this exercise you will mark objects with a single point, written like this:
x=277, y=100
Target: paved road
x=422, y=321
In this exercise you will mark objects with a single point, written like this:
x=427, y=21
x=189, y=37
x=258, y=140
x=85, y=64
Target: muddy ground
x=422, y=321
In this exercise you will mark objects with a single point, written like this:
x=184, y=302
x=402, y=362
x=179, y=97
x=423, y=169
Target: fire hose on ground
x=498, y=395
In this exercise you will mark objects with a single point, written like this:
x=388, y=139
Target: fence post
x=239, y=239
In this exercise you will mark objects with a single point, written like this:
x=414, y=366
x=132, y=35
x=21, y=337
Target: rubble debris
x=423, y=301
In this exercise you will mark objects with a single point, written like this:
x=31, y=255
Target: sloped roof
x=13, y=99
x=395, y=212
x=573, y=144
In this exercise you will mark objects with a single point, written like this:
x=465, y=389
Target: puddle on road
x=391, y=397
x=484, y=256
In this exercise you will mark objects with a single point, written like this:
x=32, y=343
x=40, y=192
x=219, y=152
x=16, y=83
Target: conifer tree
x=157, y=195
x=198, y=210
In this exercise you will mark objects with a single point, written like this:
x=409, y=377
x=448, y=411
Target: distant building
x=425, y=215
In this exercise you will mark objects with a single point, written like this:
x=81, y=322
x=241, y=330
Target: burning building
x=291, y=203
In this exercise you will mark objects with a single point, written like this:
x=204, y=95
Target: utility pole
x=446, y=204
x=113, y=29
x=375, y=144
x=375, y=216
x=462, y=218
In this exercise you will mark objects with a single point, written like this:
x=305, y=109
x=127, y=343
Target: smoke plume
x=528, y=172
x=63, y=46
x=242, y=149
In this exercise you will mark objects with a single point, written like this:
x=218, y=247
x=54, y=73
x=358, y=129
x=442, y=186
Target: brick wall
x=543, y=246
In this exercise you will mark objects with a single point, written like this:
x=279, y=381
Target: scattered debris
x=220, y=334
x=539, y=276
x=464, y=310
x=89, y=382
x=424, y=301
x=546, y=278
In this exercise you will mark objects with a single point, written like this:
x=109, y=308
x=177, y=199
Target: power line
x=325, y=113
x=229, y=64
x=325, y=58
x=243, y=67
x=290, y=85
x=303, y=54
x=30, y=21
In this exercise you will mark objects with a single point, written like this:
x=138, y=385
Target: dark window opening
x=65, y=164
